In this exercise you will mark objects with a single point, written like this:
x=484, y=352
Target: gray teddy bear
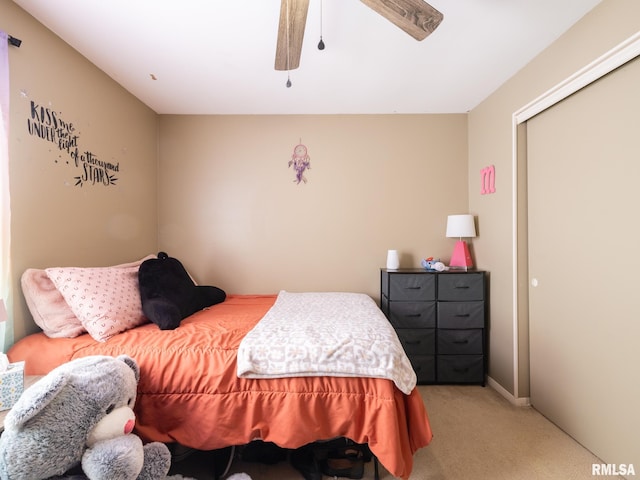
x=80, y=414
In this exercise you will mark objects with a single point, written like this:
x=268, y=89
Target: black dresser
x=441, y=320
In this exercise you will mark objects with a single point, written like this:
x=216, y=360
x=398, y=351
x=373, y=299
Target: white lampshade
x=461, y=226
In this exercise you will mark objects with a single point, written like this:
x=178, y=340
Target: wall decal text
x=48, y=125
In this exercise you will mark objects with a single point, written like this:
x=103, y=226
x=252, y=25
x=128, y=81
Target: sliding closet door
x=583, y=158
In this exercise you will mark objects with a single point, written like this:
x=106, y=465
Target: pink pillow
x=105, y=299
x=48, y=307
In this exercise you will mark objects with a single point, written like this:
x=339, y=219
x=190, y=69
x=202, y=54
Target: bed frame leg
x=376, y=474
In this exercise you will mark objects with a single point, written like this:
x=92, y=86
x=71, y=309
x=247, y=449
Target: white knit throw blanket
x=325, y=334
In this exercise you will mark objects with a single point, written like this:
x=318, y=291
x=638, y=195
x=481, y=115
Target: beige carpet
x=478, y=435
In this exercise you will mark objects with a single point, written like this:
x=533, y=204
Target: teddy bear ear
x=132, y=363
x=35, y=398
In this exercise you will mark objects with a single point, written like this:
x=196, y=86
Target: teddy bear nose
x=128, y=427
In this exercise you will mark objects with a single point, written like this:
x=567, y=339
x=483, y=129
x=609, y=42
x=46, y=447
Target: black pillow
x=169, y=294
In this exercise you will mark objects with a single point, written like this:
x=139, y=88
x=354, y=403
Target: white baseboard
x=518, y=402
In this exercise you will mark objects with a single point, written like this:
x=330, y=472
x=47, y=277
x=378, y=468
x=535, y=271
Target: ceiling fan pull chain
x=321, y=42
x=288, y=76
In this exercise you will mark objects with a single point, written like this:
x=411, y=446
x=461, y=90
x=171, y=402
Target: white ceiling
x=217, y=56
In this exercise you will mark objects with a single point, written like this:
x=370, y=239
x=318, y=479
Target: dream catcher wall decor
x=300, y=161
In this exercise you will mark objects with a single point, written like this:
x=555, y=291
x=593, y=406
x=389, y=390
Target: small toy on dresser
x=433, y=265
x=78, y=420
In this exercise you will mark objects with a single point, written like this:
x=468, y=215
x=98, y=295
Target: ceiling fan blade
x=291, y=33
x=416, y=17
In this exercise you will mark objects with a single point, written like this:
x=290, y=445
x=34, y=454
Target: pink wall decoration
x=300, y=161
x=488, y=180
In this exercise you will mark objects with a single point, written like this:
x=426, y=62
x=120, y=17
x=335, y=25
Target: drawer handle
x=461, y=370
x=462, y=315
x=412, y=288
x=413, y=315
x=461, y=286
x=461, y=342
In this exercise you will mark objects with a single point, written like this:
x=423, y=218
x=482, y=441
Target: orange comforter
x=189, y=391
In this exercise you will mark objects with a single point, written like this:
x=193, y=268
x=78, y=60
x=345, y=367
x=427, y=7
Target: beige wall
x=230, y=208
x=55, y=222
x=490, y=142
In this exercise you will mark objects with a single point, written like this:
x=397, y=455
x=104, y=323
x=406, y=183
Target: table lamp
x=459, y=226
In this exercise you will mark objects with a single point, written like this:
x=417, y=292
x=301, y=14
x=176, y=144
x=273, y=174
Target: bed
x=190, y=391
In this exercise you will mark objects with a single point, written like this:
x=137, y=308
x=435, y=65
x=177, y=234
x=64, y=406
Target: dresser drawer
x=412, y=314
x=461, y=342
x=440, y=319
x=460, y=314
x=425, y=367
x=410, y=287
x=417, y=340
x=460, y=368
x=461, y=287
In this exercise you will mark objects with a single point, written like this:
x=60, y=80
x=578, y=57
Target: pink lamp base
x=461, y=256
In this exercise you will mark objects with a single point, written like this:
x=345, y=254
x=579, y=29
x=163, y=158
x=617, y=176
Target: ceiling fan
x=416, y=17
